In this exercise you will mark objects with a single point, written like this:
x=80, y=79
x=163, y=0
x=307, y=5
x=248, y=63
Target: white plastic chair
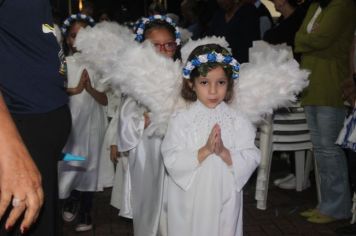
x=287, y=131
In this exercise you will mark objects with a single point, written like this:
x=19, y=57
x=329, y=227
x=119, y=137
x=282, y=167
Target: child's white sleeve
x=246, y=156
x=181, y=163
x=74, y=71
x=113, y=129
x=131, y=125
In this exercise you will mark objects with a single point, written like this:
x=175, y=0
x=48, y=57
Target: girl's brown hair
x=187, y=91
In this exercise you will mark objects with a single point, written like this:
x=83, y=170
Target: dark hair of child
x=65, y=47
x=160, y=24
x=187, y=91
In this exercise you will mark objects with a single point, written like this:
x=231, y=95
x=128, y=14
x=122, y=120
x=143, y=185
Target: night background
x=120, y=10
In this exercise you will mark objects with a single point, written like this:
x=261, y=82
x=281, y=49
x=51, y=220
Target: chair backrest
x=288, y=130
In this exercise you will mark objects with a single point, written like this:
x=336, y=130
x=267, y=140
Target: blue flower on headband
x=139, y=38
x=227, y=59
x=196, y=62
x=211, y=57
x=186, y=72
x=68, y=22
x=141, y=24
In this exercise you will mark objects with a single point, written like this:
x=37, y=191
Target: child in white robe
x=109, y=152
x=147, y=174
x=208, y=150
x=78, y=179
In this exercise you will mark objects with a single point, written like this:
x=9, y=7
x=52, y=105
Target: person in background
x=104, y=15
x=324, y=40
x=239, y=23
x=196, y=17
x=156, y=8
x=292, y=16
x=349, y=95
x=266, y=20
x=32, y=90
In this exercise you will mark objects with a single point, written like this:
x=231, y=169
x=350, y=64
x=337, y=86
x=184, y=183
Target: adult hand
x=349, y=91
x=20, y=180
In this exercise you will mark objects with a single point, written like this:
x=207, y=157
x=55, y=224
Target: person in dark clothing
x=239, y=24
x=197, y=16
x=349, y=95
x=32, y=89
x=288, y=24
x=266, y=20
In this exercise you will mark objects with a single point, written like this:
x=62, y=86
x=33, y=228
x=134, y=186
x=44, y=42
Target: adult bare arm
x=19, y=176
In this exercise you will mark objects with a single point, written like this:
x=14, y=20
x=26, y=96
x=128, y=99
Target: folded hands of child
x=215, y=145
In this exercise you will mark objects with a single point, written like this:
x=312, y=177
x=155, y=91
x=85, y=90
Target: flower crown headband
x=211, y=58
x=68, y=22
x=141, y=25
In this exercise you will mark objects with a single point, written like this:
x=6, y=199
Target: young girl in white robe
x=109, y=152
x=145, y=162
x=78, y=179
x=208, y=150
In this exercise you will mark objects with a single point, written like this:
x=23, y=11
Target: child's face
x=163, y=41
x=211, y=90
x=72, y=34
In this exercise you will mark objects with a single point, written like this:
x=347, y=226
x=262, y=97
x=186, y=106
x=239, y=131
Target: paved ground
x=280, y=218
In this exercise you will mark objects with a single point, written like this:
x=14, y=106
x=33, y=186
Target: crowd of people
x=69, y=128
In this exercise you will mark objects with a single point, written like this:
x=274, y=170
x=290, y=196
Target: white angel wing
x=101, y=45
x=135, y=69
x=151, y=79
x=270, y=80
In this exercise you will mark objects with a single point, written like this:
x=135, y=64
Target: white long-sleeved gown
x=206, y=199
x=86, y=137
x=145, y=166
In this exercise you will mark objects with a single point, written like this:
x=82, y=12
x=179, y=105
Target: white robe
x=106, y=166
x=146, y=168
x=206, y=199
x=121, y=191
x=86, y=137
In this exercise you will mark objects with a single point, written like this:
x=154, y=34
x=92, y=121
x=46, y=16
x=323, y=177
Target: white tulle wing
x=101, y=45
x=271, y=79
x=151, y=79
x=135, y=69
